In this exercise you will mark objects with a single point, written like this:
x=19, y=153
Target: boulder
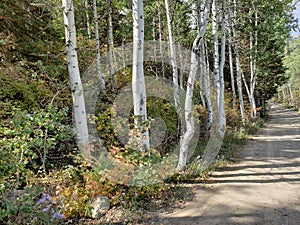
x=100, y=206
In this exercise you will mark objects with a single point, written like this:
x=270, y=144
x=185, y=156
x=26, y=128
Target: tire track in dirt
x=262, y=187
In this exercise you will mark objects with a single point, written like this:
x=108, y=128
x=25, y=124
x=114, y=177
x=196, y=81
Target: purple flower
x=45, y=197
x=49, y=198
x=46, y=208
x=58, y=216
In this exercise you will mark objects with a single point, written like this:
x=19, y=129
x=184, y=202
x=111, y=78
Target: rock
x=100, y=206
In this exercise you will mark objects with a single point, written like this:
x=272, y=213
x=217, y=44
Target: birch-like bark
x=255, y=59
x=201, y=81
x=222, y=116
x=216, y=49
x=292, y=100
x=202, y=63
x=173, y=59
x=181, y=60
x=190, y=129
x=123, y=53
x=253, y=71
x=160, y=42
x=110, y=42
x=76, y=85
x=98, y=57
x=239, y=86
x=238, y=66
x=252, y=80
x=246, y=87
x=155, y=50
x=232, y=75
x=88, y=25
x=254, y=63
x=138, y=80
x=205, y=61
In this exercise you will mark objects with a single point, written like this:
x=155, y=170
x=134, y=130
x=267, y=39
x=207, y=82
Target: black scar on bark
x=141, y=102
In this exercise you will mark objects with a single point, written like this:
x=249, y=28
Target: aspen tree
x=216, y=49
x=238, y=64
x=76, y=85
x=138, y=79
x=88, y=25
x=110, y=42
x=190, y=129
x=173, y=59
x=98, y=57
x=221, y=111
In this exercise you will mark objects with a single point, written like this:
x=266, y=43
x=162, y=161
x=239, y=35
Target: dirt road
x=262, y=187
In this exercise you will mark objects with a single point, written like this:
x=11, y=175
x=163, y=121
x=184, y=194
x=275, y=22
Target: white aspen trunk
x=239, y=86
x=247, y=89
x=222, y=115
x=287, y=94
x=254, y=63
x=252, y=81
x=216, y=49
x=138, y=80
x=181, y=66
x=98, y=57
x=155, y=51
x=181, y=60
x=123, y=54
x=201, y=81
x=254, y=100
x=232, y=76
x=190, y=129
x=283, y=94
x=199, y=16
x=88, y=25
x=238, y=66
x=76, y=85
x=160, y=42
x=205, y=60
x=250, y=93
x=291, y=94
x=253, y=72
x=110, y=42
x=173, y=59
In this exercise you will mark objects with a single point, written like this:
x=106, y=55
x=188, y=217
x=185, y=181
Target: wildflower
x=44, y=198
x=46, y=208
x=58, y=215
x=49, y=198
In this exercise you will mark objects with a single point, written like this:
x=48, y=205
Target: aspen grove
x=187, y=80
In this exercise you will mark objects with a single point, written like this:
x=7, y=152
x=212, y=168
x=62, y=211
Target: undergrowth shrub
x=37, y=142
x=29, y=206
x=162, y=118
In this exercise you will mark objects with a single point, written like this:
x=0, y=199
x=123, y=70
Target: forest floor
x=262, y=187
